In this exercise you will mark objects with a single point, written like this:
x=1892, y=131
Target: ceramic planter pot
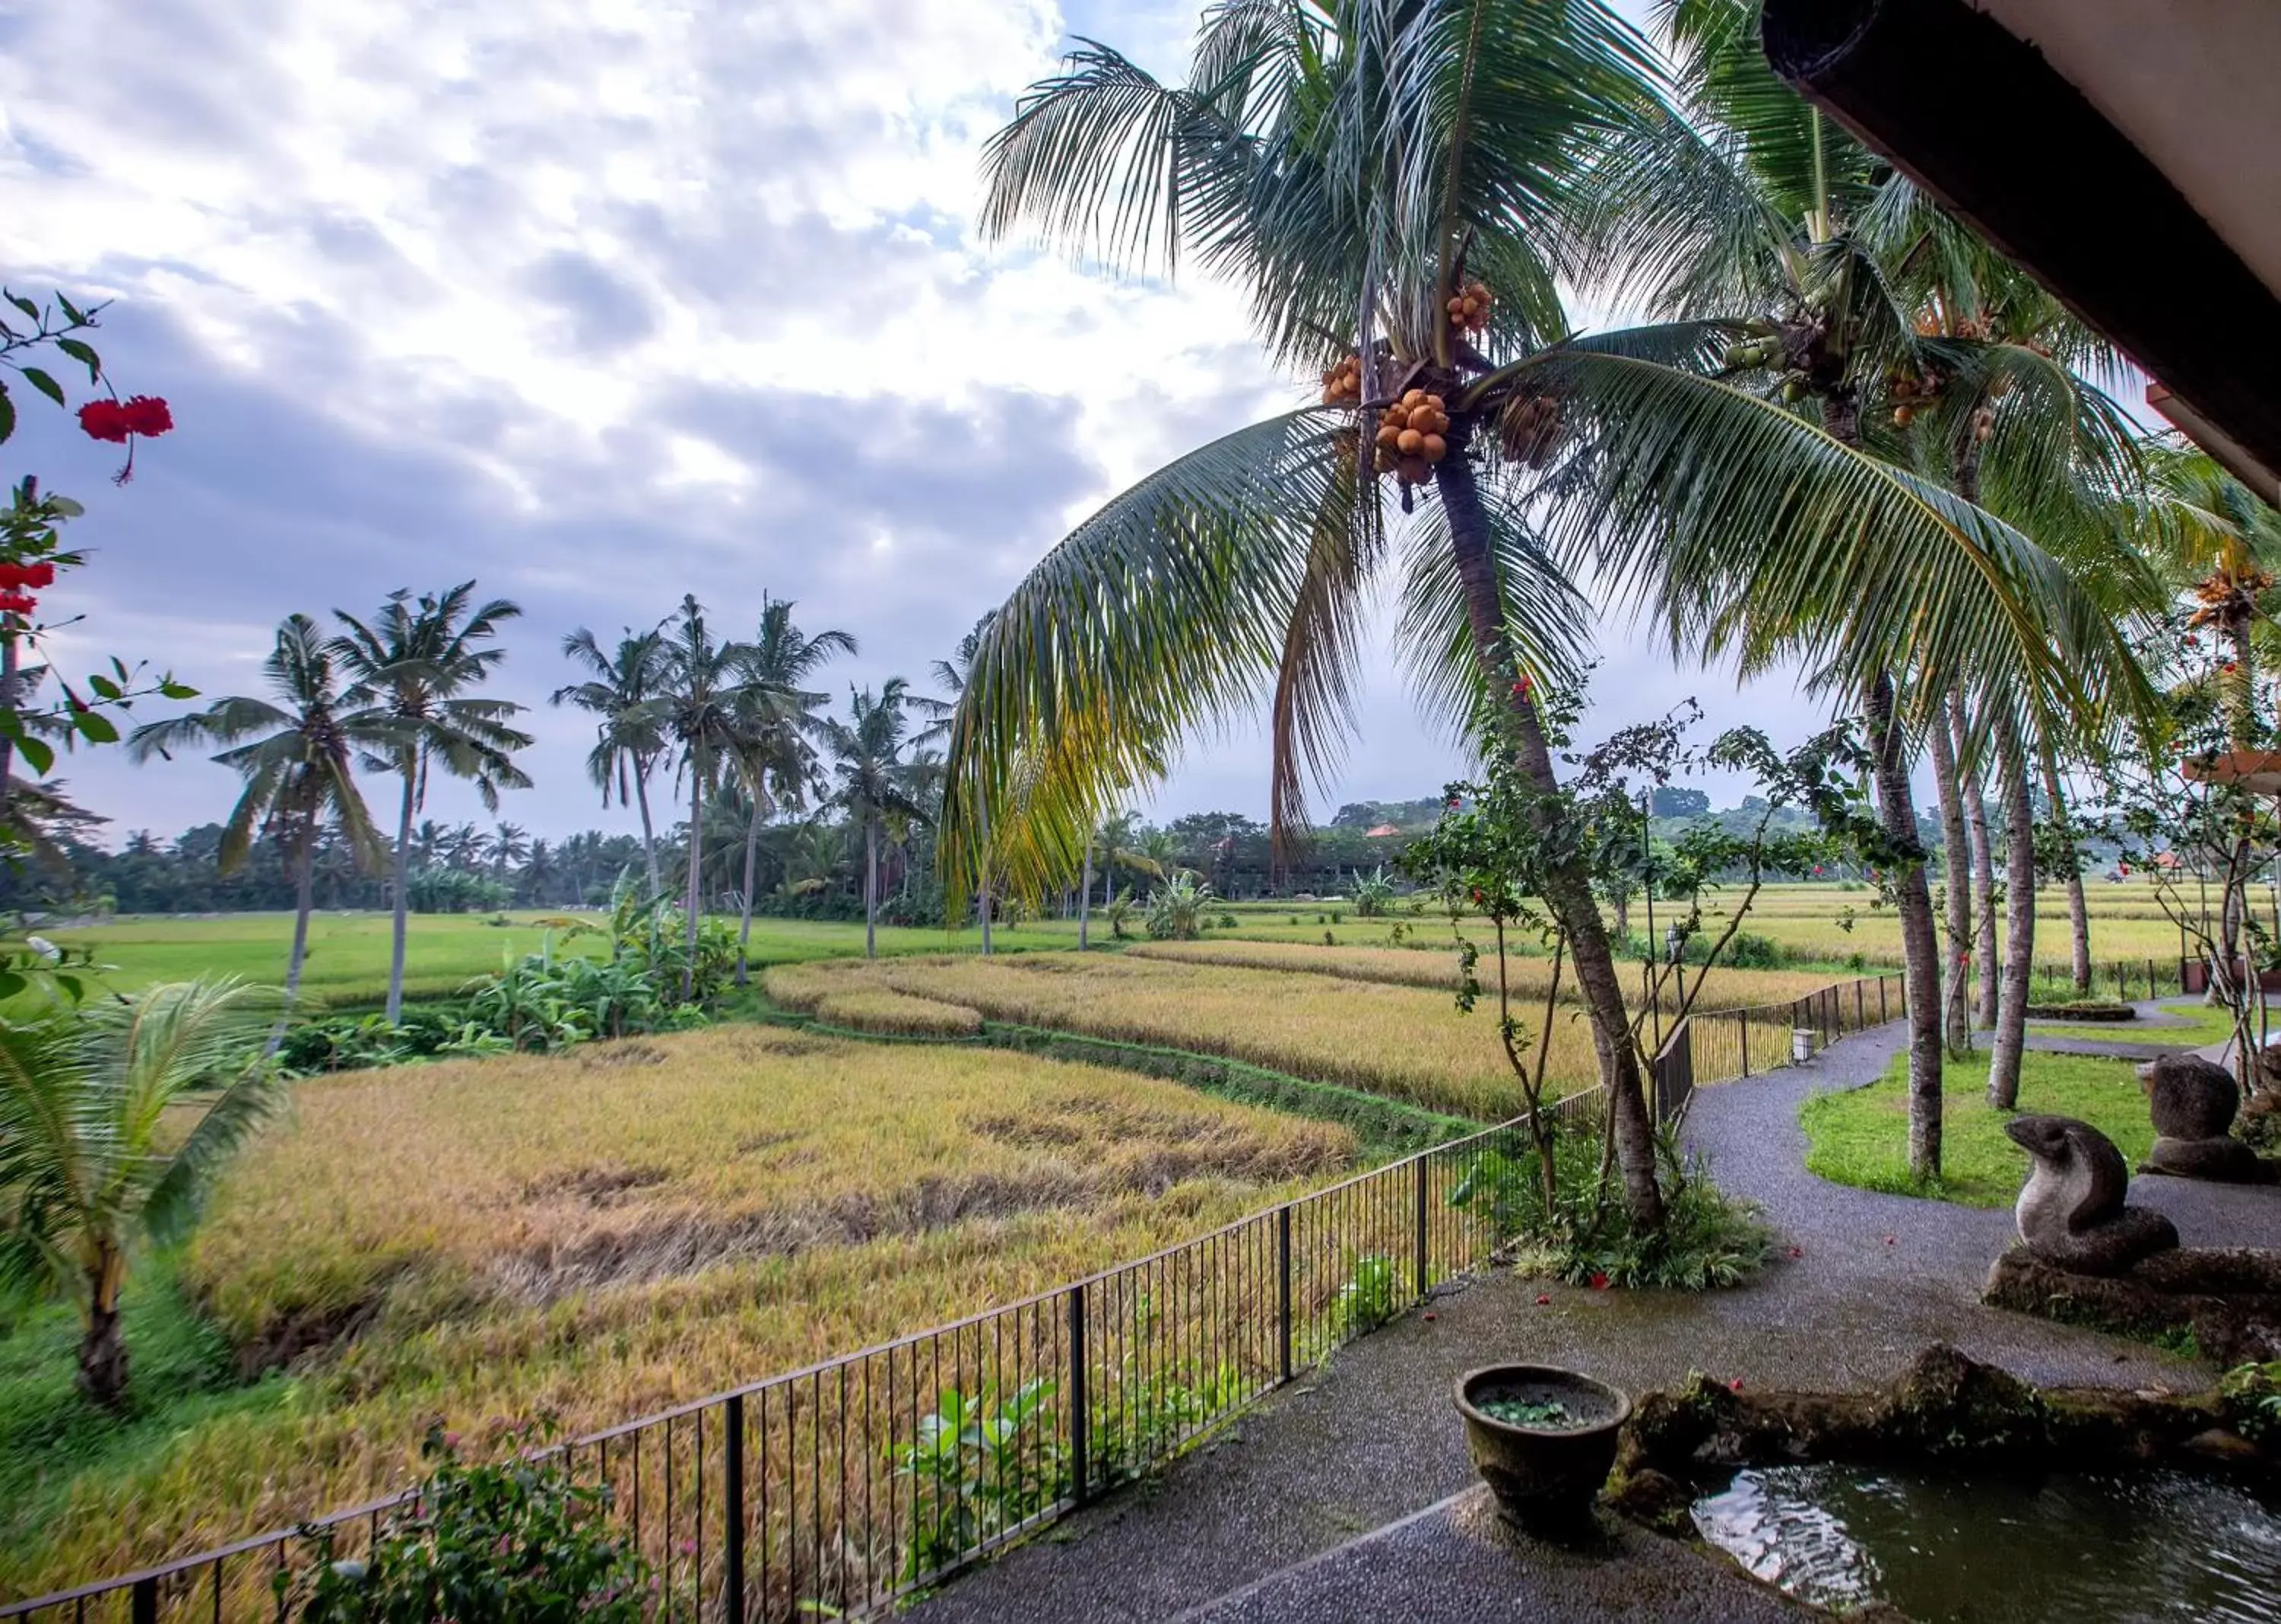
x=1542, y=1473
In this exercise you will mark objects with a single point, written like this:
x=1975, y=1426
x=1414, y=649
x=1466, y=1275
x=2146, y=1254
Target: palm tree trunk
x=751, y=858
x=403, y=903
x=982, y=891
x=2079, y=906
x=871, y=888
x=102, y=1347
x=649, y=835
x=1956, y=894
x=304, y=899
x=1085, y=897
x=1919, y=937
x=11, y=695
x=1984, y=879
x=1569, y=886
x=695, y=896
x=2019, y=914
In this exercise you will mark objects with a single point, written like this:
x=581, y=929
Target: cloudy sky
x=600, y=301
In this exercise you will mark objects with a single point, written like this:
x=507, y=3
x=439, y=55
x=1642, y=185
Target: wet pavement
x=1863, y=1282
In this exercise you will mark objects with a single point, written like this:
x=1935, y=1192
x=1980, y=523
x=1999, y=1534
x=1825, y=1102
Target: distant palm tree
x=509, y=846
x=463, y=847
x=779, y=722
x=704, y=706
x=624, y=690
x=415, y=664
x=540, y=870
x=867, y=756
x=98, y=1149
x=298, y=756
x=428, y=841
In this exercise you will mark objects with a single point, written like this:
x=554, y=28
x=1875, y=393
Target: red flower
x=1599, y=1282
x=18, y=603
x=1430, y=1315
x=1541, y=1299
x=1797, y=1251
x=15, y=576
x=116, y=419
x=1735, y=1386
x=1889, y=1239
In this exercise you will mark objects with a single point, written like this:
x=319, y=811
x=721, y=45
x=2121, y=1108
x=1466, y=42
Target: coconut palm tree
x=1386, y=182
x=414, y=663
x=624, y=688
x=509, y=846
x=780, y=723
x=297, y=754
x=951, y=675
x=866, y=751
x=704, y=707
x=114, y=1122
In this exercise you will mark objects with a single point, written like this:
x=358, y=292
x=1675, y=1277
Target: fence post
x=1424, y=1263
x=1080, y=1444
x=1746, y=1043
x=1860, y=1011
x=733, y=1501
x=1881, y=1016
x=1283, y=1281
x=2150, y=981
x=143, y=1602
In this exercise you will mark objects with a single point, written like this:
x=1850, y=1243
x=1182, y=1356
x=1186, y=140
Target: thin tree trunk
x=102, y=1347
x=694, y=899
x=1085, y=898
x=1956, y=894
x=1984, y=879
x=304, y=899
x=752, y=857
x=2071, y=860
x=982, y=896
x=649, y=835
x=1919, y=937
x=871, y=888
x=2019, y=914
x=1568, y=888
x=11, y=697
x=403, y=903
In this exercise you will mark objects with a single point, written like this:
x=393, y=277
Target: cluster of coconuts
x=1469, y=307
x=1342, y=383
x=1411, y=435
x=1530, y=429
x=1768, y=354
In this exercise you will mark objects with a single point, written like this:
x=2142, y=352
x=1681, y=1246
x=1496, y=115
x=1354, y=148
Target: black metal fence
x=844, y=1486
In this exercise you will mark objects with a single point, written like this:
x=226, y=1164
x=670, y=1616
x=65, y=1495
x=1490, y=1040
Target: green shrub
x=1176, y=909
x=517, y=1540
x=980, y=1465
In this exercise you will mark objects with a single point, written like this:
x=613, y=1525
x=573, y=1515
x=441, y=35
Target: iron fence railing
x=847, y=1485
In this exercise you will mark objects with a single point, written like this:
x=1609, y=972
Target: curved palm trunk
x=1983, y=880
x=1956, y=894
x=752, y=857
x=2019, y=916
x=695, y=893
x=649, y=834
x=102, y=1347
x=304, y=884
x=871, y=888
x=1919, y=937
x=2079, y=906
x=403, y=871
x=1569, y=888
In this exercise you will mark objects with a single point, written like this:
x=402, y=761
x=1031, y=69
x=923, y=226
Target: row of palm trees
x=1853, y=442
x=397, y=694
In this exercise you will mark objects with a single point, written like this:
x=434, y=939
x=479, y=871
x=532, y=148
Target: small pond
x=1942, y=1546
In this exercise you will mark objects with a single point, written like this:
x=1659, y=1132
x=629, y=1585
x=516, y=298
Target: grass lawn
x=597, y=1235
x=2189, y=1026
x=1860, y=1136
x=348, y=952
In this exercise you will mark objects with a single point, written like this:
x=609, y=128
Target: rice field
x=598, y=1234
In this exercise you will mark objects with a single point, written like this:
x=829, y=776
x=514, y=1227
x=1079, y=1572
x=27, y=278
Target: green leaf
x=105, y=686
x=24, y=305
x=45, y=384
x=173, y=690
x=78, y=316
x=7, y=414
x=67, y=508
x=73, y=987
x=12, y=984
x=95, y=727
x=37, y=756
x=84, y=354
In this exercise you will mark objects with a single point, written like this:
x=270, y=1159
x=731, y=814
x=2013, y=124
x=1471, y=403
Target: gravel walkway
x=1371, y=1439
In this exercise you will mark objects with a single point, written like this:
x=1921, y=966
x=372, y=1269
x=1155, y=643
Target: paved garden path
x=1370, y=1440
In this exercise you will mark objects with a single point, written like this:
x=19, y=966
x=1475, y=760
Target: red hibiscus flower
x=1599, y=1282
x=106, y=420
x=148, y=416
x=1735, y=1386
x=1541, y=1299
x=18, y=603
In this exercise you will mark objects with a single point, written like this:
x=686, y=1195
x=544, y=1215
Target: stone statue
x=2193, y=1103
x=2070, y=1212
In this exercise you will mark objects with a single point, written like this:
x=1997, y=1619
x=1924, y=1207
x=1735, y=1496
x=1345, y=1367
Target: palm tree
x=97, y=1154
x=624, y=689
x=415, y=664
x=1750, y=206
x=1386, y=182
x=952, y=675
x=541, y=867
x=867, y=758
x=779, y=723
x=704, y=706
x=297, y=754
x=509, y=846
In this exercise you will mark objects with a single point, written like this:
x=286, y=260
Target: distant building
x=1383, y=830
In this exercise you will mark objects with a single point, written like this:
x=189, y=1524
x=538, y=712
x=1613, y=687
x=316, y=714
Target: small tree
x=93, y=1158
